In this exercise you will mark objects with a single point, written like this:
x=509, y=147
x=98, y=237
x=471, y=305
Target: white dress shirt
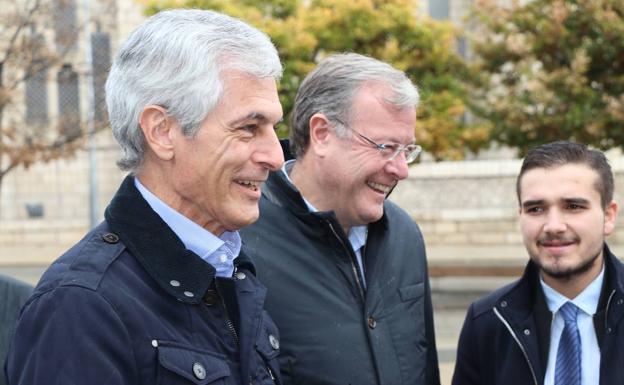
x=357, y=234
x=587, y=302
x=217, y=251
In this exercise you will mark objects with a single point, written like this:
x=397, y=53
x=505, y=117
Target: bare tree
x=39, y=38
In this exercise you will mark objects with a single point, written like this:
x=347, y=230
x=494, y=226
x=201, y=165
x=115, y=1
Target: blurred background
x=496, y=78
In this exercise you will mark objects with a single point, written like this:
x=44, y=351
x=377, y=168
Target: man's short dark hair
x=564, y=152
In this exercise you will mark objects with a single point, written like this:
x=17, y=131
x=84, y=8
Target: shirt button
x=174, y=283
x=223, y=258
x=240, y=275
x=372, y=323
x=527, y=332
x=199, y=371
x=189, y=294
x=504, y=304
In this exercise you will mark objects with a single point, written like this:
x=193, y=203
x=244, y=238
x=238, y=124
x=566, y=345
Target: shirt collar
x=587, y=300
x=194, y=237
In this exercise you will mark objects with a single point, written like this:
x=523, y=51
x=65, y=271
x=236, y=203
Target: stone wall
x=467, y=210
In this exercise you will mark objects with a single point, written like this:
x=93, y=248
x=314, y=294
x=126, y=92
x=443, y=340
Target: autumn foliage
x=390, y=30
x=550, y=69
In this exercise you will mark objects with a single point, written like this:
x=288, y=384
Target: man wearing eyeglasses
x=346, y=269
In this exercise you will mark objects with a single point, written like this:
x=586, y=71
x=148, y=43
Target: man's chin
x=373, y=217
x=559, y=272
x=242, y=218
x=250, y=217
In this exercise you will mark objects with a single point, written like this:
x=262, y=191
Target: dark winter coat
x=129, y=304
x=13, y=295
x=506, y=335
x=334, y=330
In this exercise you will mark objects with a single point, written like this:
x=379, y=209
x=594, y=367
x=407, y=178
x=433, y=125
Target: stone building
x=467, y=210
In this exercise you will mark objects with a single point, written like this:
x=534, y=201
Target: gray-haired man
x=158, y=293
x=346, y=269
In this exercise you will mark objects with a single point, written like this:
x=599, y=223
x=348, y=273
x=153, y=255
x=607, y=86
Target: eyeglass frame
x=409, y=158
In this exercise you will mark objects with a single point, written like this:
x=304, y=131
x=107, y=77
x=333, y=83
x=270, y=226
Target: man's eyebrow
x=530, y=203
x=257, y=116
x=538, y=202
x=578, y=201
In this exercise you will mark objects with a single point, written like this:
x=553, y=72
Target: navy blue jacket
x=506, y=335
x=129, y=304
x=13, y=295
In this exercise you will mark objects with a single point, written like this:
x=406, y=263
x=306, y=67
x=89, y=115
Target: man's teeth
x=380, y=187
x=249, y=184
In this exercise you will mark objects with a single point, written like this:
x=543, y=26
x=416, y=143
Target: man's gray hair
x=175, y=60
x=330, y=88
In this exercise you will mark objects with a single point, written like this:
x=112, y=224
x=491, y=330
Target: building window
x=100, y=46
x=65, y=28
x=68, y=102
x=37, y=98
x=439, y=9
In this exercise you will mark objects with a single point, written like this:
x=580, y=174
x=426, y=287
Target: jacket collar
x=177, y=270
x=612, y=293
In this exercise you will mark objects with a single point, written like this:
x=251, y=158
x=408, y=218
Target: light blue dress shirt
x=217, y=251
x=357, y=234
x=587, y=302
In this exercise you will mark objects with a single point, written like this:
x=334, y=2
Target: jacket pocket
x=412, y=292
x=183, y=365
x=267, y=345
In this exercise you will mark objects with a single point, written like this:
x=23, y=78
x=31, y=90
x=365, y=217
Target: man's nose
x=398, y=166
x=555, y=222
x=269, y=152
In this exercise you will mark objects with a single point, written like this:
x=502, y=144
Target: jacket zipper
x=230, y=326
x=526, y=356
x=607, y=309
x=228, y=322
x=353, y=266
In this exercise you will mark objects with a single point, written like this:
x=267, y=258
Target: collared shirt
x=217, y=251
x=357, y=234
x=587, y=302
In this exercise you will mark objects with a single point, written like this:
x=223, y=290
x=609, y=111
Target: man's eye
x=249, y=127
x=574, y=206
x=387, y=148
x=534, y=210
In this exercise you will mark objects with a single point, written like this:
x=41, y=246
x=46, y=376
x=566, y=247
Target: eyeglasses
x=389, y=150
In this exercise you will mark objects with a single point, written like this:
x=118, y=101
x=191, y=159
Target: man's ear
x=610, y=217
x=319, y=133
x=158, y=130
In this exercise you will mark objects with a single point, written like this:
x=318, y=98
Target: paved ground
x=451, y=297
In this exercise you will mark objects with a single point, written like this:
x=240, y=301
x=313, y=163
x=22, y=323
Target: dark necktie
x=568, y=365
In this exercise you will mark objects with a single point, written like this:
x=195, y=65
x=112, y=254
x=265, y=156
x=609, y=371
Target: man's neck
x=155, y=180
x=303, y=176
